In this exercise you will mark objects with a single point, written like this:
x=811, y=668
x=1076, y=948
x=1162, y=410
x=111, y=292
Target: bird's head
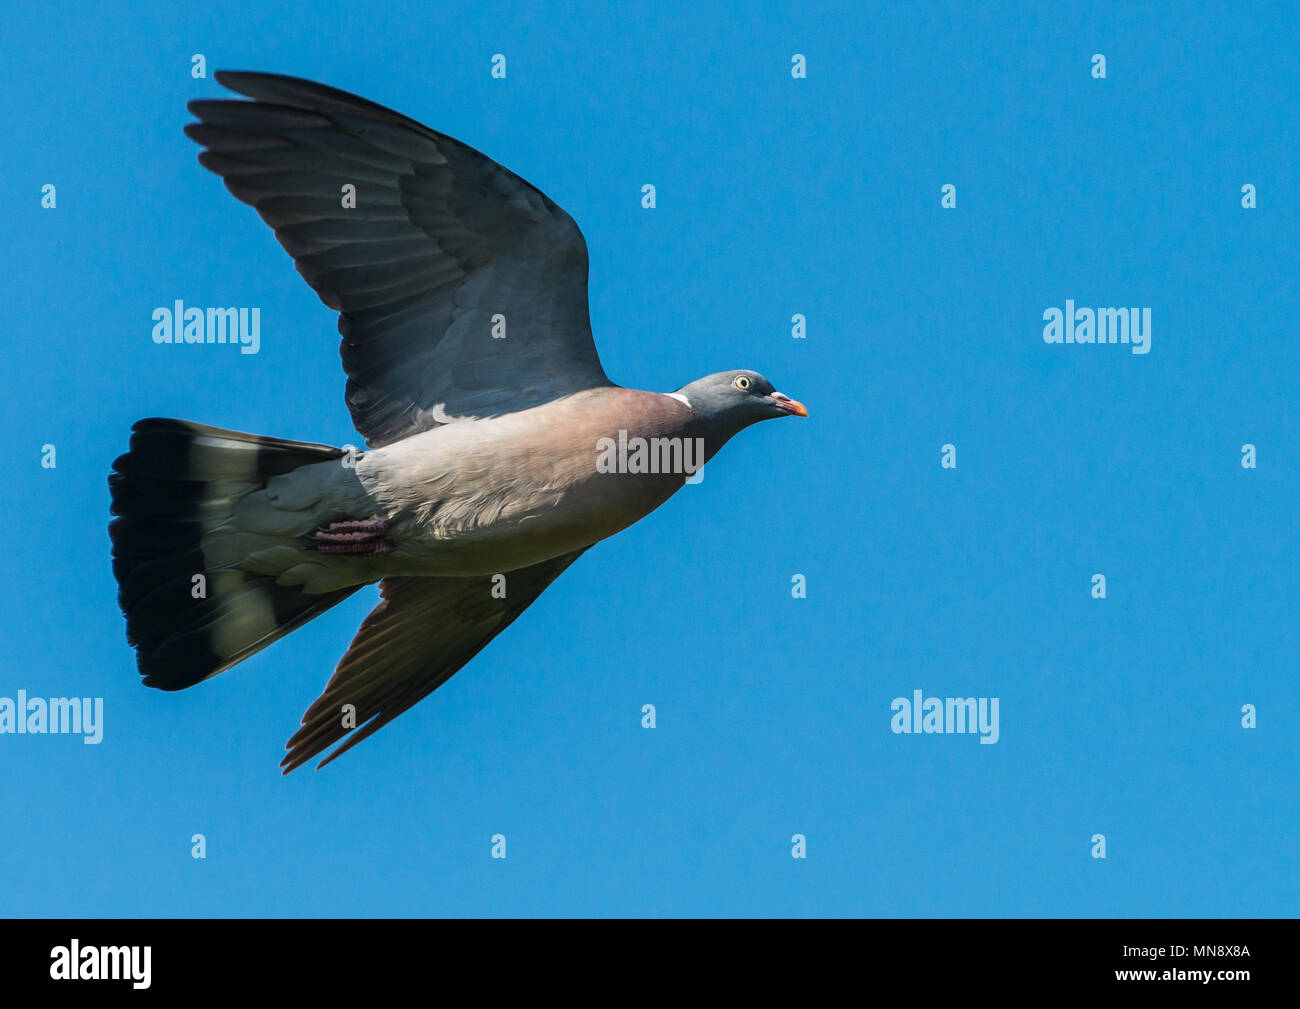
x=732, y=400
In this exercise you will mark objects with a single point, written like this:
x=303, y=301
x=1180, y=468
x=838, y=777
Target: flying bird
x=490, y=464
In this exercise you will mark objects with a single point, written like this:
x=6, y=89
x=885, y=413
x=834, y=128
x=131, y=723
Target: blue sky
x=775, y=196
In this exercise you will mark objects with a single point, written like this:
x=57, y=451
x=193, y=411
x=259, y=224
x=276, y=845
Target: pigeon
x=496, y=449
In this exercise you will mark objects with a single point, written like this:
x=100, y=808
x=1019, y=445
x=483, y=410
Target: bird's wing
x=441, y=241
x=420, y=634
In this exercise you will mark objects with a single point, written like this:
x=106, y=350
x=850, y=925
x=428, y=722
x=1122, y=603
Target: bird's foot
x=357, y=537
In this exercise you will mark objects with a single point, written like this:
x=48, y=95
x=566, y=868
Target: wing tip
x=239, y=81
x=295, y=759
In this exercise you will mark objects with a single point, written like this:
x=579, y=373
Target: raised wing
x=413, y=642
x=441, y=242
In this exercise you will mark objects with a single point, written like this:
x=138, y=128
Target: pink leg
x=358, y=537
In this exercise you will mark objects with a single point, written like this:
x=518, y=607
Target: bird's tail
x=173, y=492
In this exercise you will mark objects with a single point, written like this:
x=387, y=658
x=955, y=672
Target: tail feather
x=177, y=484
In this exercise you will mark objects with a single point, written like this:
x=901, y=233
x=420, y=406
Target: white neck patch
x=680, y=398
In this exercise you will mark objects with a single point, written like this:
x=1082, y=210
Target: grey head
x=730, y=401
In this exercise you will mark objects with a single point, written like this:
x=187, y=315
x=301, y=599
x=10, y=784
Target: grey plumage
x=484, y=458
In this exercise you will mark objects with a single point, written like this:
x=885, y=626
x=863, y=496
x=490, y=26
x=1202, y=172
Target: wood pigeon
x=497, y=450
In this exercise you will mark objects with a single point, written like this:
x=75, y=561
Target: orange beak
x=789, y=405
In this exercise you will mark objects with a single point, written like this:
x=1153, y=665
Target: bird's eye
x=742, y=382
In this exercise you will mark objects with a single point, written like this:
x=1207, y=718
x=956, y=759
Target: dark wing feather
x=421, y=633
x=442, y=239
